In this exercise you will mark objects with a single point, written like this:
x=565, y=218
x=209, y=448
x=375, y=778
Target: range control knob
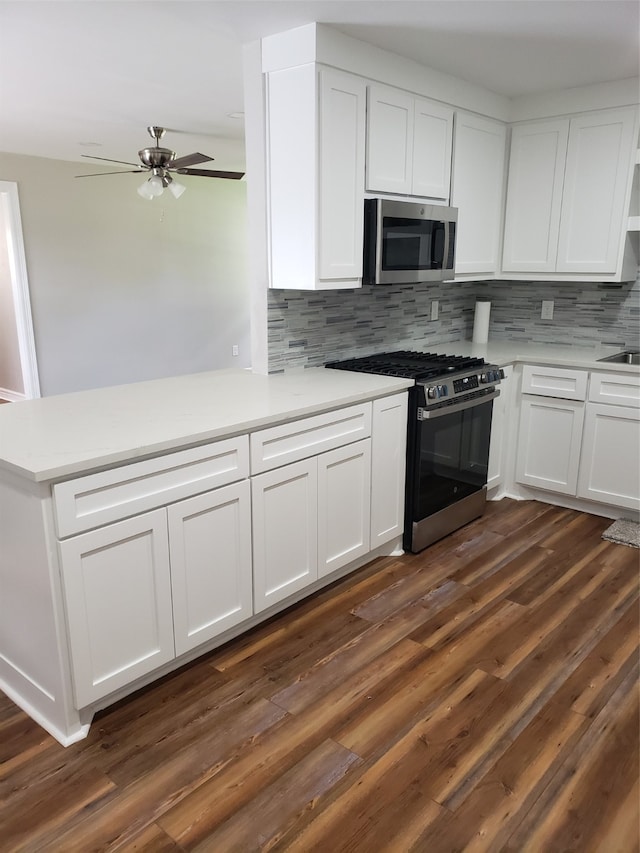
x=432, y=392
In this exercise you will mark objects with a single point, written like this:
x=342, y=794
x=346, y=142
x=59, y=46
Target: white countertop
x=56, y=437
x=510, y=352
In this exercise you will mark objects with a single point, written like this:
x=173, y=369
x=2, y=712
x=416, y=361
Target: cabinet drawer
x=561, y=382
x=291, y=442
x=108, y=496
x=617, y=389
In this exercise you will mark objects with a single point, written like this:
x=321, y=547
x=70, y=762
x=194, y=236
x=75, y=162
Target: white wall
x=124, y=289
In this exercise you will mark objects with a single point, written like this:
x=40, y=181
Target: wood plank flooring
x=480, y=696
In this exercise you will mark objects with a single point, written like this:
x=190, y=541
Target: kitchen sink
x=629, y=356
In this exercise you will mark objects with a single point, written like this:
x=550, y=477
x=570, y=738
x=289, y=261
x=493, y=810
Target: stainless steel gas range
x=448, y=435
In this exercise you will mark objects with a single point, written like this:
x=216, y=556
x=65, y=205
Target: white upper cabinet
x=595, y=190
x=409, y=143
x=477, y=190
x=568, y=194
x=534, y=195
x=315, y=187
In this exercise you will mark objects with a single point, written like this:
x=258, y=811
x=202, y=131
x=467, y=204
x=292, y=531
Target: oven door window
x=453, y=458
x=412, y=244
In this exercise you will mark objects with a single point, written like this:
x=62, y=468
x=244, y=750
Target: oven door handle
x=452, y=408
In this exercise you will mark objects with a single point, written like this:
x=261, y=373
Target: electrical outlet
x=547, y=309
x=434, y=309
x=235, y=350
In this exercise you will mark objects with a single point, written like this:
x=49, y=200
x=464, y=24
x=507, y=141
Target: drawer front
x=616, y=389
x=291, y=442
x=561, y=382
x=108, y=496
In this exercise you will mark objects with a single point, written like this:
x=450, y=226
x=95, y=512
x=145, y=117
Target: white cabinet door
x=210, y=550
x=549, y=443
x=315, y=137
x=534, y=196
x=595, y=187
x=408, y=144
x=499, y=431
x=117, y=590
x=431, y=157
x=388, y=466
x=389, y=140
x=344, y=505
x=609, y=464
x=341, y=175
x=477, y=191
x=285, y=531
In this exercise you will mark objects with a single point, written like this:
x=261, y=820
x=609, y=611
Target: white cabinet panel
x=563, y=382
x=389, y=140
x=388, y=467
x=285, y=531
x=315, y=167
x=499, y=432
x=610, y=463
x=549, y=443
x=344, y=497
x=341, y=175
x=615, y=388
x=117, y=591
x=477, y=189
x=534, y=196
x=210, y=550
x=96, y=499
x=289, y=442
x=408, y=144
x=595, y=189
x=431, y=155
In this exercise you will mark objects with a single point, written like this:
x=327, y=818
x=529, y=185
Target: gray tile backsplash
x=306, y=329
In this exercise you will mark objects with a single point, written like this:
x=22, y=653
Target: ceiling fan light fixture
x=146, y=191
x=176, y=189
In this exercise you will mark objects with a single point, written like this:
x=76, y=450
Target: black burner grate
x=409, y=364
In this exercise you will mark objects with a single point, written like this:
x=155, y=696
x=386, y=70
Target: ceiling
x=87, y=77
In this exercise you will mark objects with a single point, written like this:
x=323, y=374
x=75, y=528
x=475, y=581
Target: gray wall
x=10, y=371
x=308, y=329
x=124, y=289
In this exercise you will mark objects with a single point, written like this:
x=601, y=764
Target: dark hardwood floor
x=480, y=696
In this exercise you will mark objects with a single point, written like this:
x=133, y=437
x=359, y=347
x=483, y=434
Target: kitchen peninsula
x=144, y=524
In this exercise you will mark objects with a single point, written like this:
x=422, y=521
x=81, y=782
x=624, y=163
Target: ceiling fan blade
x=210, y=173
x=190, y=160
x=108, y=160
x=125, y=172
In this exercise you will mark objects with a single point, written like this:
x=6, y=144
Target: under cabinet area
x=408, y=144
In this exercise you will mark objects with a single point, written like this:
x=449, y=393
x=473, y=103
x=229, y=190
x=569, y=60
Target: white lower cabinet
x=142, y=591
x=344, y=505
x=388, y=468
x=609, y=467
x=285, y=531
x=210, y=551
x=549, y=443
x=309, y=519
x=117, y=589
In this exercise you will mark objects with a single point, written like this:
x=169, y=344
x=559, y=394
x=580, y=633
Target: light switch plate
x=434, y=309
x=547, y=309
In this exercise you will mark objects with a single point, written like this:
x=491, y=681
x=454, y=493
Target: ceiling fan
x=161, y=162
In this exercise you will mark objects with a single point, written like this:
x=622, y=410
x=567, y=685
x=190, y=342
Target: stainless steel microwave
x=407, y=242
